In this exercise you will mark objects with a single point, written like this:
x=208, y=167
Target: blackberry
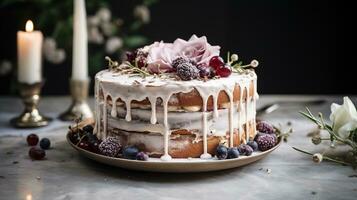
x=265, y=127
x=266, y=141
x=110, y=147
x=187, y=71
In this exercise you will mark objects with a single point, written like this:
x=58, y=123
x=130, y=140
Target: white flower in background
x=49, y=44
x=113, y=44
x=94, y=36
x=107, y=28
x=104, y=14
x=51, y=52
x=344, y=118
x=93, y=20
x=142, y=13
x=5, y=67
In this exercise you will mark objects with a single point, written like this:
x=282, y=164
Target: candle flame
x=29, y=197
x=29, y=26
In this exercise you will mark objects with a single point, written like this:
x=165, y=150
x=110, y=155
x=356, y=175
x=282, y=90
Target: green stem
x=323, y=157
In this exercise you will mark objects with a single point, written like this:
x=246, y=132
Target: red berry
x=37, y=153
x=32, y=139
x=84, y=145
x=216, y=62
x=224, y=71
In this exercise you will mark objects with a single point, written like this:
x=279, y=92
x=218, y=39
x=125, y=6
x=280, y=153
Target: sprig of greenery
x=126, y=67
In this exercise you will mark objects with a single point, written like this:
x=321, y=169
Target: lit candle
x=29, y=53
x=80, y=46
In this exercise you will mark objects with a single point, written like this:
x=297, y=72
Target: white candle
x=80, y=45
x=29, y=53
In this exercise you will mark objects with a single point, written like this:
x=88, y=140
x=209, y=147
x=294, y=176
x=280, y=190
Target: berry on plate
x=32, y=139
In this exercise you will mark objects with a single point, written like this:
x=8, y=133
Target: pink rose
x=161, y=55
x=196, y=49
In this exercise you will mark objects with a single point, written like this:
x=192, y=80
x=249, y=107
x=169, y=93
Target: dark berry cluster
x=35, y=152
x=137, y=57
x=262, y=141
x=188, y=70
x=111, y=146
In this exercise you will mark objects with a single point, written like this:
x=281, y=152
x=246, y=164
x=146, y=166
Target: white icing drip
x=246, y=116
x=128, y=110
x=113, y=112
x=205, y=154
x=240, y=108
x=97, y=114
x=166, y=155
x=153, y=110
x=215, y=106
x=230, y=118
x=105, y=117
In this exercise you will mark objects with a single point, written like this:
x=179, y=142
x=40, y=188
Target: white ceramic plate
x=175, y=165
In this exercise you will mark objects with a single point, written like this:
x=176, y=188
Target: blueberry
x=253, y=144
x=130, y=152
x=45, y=143
x=233, y=153
x=221, y=152
x=88, y=129
x=142, y=156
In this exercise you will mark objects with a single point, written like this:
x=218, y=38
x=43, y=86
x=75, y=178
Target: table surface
x=66, y=175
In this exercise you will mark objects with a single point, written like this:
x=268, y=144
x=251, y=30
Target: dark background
x=296, y=41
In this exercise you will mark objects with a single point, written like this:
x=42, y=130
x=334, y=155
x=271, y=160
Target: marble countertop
x=65, y=175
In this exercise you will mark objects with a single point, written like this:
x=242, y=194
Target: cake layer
x=179, y=120
x=179, y=145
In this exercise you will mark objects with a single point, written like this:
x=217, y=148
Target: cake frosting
x=168, y=117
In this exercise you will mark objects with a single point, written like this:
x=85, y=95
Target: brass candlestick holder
x=31, y=117
x=79, y=107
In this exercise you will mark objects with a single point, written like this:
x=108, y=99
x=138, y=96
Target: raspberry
x=265, y=127
x=266, y=141
x=110, y=147
x=187, y=71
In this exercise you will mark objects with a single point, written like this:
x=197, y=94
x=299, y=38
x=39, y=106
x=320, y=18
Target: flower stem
x=324, y=157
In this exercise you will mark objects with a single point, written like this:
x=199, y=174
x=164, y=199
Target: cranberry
x=84, y=145
x=216, y=62
x=224, y=71
x=37, y=153
x=32, y=139
x=130, y=56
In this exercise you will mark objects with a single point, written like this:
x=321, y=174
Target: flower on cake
x=184, y=60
